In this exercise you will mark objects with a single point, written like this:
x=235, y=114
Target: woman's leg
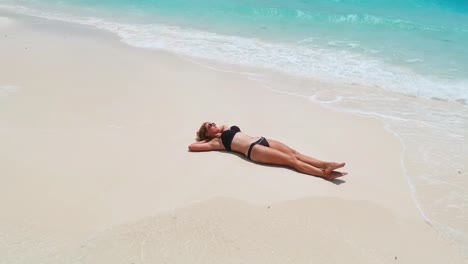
x=328, y=167
x=268, y=155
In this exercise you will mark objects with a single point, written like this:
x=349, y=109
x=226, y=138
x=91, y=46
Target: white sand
x=95, y=168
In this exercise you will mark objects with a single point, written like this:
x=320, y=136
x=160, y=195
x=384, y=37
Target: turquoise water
x=415, y=47
x=399, y=47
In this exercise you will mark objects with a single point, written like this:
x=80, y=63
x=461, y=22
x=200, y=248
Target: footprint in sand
x=6, y=90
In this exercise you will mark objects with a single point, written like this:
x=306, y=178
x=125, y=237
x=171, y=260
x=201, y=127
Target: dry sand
x=95, y=169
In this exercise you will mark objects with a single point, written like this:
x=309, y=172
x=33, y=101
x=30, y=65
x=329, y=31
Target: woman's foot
x=331, y=166
x=334, y=174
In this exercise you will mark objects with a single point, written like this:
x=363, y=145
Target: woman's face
x=211, y=128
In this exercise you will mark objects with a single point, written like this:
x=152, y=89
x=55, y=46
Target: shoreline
x=392, y=74
x=121, y=108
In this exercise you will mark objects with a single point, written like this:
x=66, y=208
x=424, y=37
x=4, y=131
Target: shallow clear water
x=414, y=47
x=395, y=48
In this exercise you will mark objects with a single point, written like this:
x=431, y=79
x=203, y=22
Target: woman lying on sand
x=261, y=150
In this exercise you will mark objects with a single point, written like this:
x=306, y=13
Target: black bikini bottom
x=262, y=141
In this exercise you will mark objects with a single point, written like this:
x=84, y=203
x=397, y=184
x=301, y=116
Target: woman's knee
x=290, y=151
x=295, y=153
x=293, y=161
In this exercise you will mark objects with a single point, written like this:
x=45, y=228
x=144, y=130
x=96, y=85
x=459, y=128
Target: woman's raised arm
x=207, y=145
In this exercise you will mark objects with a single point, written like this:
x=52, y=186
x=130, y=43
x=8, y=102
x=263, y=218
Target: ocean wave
x=363, y=19
x=385, y=21
x=293, y=59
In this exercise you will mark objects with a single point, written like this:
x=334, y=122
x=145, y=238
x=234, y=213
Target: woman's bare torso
x=241, y=142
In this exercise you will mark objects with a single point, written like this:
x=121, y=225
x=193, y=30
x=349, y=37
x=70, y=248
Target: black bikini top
x=228, y=135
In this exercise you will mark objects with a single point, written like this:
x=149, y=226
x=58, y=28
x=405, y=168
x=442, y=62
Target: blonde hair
x=201, y=133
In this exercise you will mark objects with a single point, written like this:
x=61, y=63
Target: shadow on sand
x=241, y=156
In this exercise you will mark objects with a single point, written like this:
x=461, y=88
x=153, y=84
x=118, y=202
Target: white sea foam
x=432, y=138
x=293, y=59
x=415, y=60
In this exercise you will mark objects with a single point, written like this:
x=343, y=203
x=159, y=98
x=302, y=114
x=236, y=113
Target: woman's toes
x=333, y=166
